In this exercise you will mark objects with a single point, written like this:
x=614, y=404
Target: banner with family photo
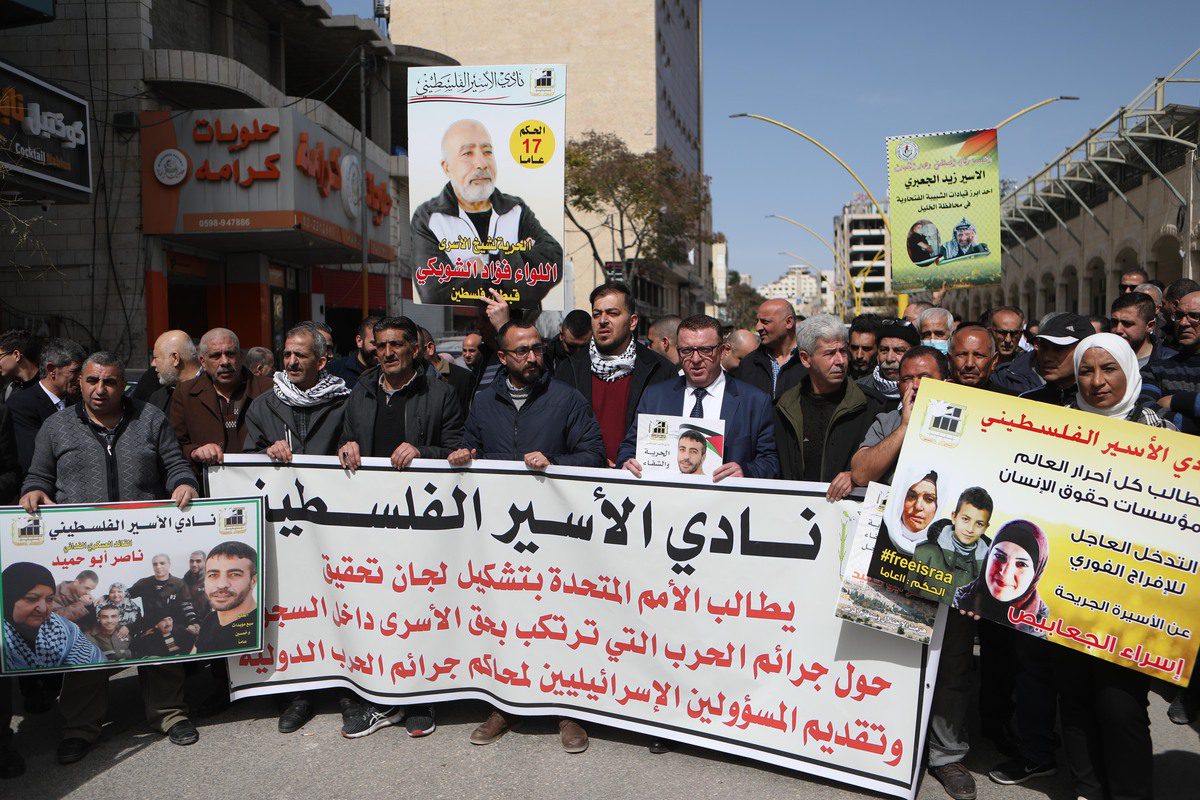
x=1073, y=527
x=486, y=153
x=944, y=210
x=684, y=610
x=670, y=445
x=87, y=586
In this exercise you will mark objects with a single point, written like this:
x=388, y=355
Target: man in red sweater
x=614, y=370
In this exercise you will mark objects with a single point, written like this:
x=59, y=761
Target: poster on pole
x=87, y=586
x=487, y=146
x=670, y=445
x=1072, y=527
x=690, y=611
x=944, y=209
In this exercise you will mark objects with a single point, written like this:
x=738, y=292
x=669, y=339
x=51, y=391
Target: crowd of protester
x=801, y=399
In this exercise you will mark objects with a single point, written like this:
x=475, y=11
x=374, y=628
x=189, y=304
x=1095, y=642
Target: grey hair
x=257, y=356
x=814, y=329
x=318, y=341
x=58, y=353
x=217, y=333
x=933, y=313
x=188, y=352
x=104, y=358
x=1156, y=294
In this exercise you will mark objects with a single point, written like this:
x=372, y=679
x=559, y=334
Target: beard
x=475, y=191
x=168, y=376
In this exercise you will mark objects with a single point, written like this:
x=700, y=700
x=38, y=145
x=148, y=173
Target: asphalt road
x=240, y=754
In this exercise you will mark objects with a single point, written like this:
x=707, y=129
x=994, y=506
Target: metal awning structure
x=1152, y=135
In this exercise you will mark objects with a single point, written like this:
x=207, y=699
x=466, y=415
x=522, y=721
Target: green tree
x=741, y=302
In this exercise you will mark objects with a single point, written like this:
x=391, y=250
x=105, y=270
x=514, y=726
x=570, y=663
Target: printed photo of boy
x=956, y=546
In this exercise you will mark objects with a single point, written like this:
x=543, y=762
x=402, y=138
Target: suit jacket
x=749, y=423
x=648, y=368
x=196, y=416
x=28, y=408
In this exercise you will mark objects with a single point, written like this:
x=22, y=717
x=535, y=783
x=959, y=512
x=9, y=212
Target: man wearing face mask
x=936, y=326
x=894, y=339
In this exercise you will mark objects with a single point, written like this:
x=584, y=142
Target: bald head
x=174, y=358
x=469, y=162
x=776, y=326
x=741, y=344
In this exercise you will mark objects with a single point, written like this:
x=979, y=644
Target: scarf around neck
x=888, y=388
x=612, y=368
x=328, y=387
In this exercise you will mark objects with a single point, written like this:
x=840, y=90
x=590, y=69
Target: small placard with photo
x=679, y=445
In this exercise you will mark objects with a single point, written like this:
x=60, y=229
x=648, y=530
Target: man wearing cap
x=964, y=242
x=1028, y=372
x=894, y=338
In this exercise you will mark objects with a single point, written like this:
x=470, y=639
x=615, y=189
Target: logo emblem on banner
x=351, y=185
x=907, y=150
x=171, y=167
x=542, y=81
x=233, y=521
x=27, y=530
x=944, y=423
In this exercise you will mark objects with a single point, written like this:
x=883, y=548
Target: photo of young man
x=690, y=452
x=231, y=585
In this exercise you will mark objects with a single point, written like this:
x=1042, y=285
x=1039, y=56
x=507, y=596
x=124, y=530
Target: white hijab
x=902, y=538
x=1120, y=350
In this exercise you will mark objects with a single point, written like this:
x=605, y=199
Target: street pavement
x=241, y=755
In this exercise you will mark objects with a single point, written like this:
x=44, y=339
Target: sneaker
x=1017, y=771
x=1183, y=708
x=492, y=728
x=419, y=721
x=955, y=779
x=183, y=733
x=298, y=712
x=363, y=719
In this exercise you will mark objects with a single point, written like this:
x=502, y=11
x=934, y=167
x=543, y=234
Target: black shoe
x=214, y=704
x=183, y=733
x=363, y=719
x=1183, y=708
x=1017, y=771
x=660, y=746
x=296, y=715
x=12, y=765
x=72, y=750
x=419, y=721
x=955, y=779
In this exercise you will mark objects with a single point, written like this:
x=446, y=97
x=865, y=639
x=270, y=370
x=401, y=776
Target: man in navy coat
x=706, y=391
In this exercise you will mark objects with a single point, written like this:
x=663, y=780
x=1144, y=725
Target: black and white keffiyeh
x=612, y=368
x=890, y=389
x=58, y=643
x=328, y=387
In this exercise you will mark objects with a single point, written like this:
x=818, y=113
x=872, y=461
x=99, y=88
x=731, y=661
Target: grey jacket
x=433, y=418
x=72, y=464
x=268, y=418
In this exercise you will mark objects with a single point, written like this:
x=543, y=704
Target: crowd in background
x=811, y=399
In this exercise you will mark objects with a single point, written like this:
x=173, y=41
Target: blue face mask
x=941, y=345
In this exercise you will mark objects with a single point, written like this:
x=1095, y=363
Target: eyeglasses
x=1191, y=317
x=1126, y=288
x=1003, y=334
x=524, y=350
x=704, y=352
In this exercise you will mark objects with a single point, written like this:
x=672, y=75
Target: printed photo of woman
x=34, y=636
x=1008, y=583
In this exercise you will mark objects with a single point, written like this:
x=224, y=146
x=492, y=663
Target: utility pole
x=362, y=175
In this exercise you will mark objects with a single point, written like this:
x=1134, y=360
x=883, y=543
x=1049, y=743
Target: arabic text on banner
x=698, y=613
x=944, y=209
x=120, y=590
x=1090, y=540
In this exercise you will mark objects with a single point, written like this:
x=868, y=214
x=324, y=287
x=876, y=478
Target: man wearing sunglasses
x=1007, y=324
x=704, y=391
x=1174, y=383
x=1132, y=278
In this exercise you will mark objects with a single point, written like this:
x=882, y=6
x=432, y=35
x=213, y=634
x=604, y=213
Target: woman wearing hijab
x=908, y=522
x=1007, y=587
x=34, y=636
x=1105, y=727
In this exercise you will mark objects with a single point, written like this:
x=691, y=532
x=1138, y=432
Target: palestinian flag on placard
x=714, y=441
x=980, y=144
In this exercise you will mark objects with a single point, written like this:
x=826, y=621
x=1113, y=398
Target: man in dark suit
x=704, y=390
x=461, y=379
x=60, y=362
x=613, y=370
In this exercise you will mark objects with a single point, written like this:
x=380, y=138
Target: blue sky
x=850, y=74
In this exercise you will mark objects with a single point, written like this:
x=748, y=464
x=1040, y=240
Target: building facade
x=227, y=173
x=720, y=280
x=862, y=244
x=634, y=68
x=1122, y=196
x=800, y=286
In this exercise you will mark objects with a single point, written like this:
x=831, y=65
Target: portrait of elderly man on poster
x=964, y=243
x=522, y=260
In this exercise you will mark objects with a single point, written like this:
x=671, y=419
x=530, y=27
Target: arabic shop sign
x=44, y=138
x=257, y=169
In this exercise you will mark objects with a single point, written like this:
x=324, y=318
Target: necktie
x=698, y=409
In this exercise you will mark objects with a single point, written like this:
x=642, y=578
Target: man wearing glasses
x=523, y=415
x=1132, y=278
x=1007, y=325
x=704, y=391
x=1174, y=383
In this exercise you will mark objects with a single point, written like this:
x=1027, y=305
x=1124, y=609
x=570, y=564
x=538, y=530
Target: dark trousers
x=1036, y=697
x=6, y=706
x=1105, y=727
x=997, y=678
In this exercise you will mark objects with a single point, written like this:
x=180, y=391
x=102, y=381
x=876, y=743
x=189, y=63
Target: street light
x=790, y=254
x=1047, y=101
x=836, y=256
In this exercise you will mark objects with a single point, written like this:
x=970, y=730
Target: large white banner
x=698, y=612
